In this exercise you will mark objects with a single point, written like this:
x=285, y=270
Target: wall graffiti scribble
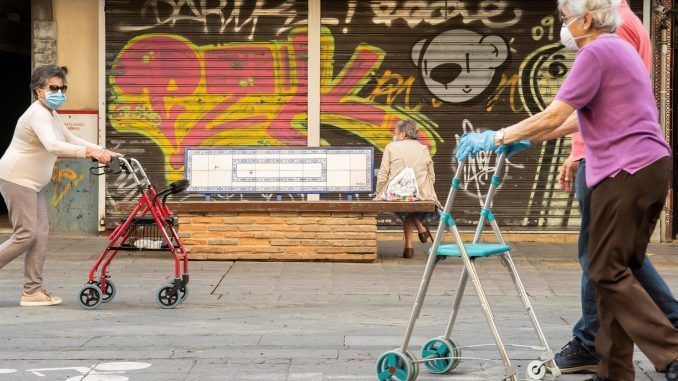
x=63, y=181
x=478, y=170
x=228, y=13
x=437, y=12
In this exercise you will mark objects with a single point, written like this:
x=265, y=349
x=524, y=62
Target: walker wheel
x=396, y=366
x=438, y=351
x=166, y=298
x=183, y=292
x=109, y=292
x=90, y=297
x=536, y=370
x=414, y=363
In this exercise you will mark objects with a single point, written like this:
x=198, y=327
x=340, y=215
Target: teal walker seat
x=473, y=249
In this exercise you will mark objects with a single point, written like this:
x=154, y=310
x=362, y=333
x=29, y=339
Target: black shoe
x=575, y=359
x=672, y=371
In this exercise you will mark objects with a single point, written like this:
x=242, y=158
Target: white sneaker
x=39, y=298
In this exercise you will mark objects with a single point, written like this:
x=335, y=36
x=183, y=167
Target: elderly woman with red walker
x=26, y=167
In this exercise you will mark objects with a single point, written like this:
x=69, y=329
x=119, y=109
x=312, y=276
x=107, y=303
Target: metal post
x=430, y=265
x=487, y=309
x=313, y=99
x=101, y=200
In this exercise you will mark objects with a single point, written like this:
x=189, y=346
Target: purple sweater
x=618, y=116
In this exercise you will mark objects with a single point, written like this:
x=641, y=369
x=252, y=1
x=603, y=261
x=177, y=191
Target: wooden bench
x=283, y=230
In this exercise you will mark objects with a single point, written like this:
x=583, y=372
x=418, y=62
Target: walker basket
x=144, y=234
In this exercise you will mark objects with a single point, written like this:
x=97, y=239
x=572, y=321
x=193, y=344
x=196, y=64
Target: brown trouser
x=28, y=214
x=624, y=212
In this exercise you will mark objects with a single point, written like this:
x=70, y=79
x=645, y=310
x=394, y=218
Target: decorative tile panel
x=280, y=170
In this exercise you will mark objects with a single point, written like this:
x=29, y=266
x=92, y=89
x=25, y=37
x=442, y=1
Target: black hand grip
x=113, y=167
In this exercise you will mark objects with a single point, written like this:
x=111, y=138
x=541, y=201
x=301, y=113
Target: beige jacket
x=392, y=163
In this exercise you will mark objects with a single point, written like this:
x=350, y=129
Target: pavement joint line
x=220, y=280
x=190, y=369
x=87, y=342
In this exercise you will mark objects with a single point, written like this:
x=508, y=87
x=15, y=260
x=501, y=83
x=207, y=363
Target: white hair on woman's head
x=605, y=13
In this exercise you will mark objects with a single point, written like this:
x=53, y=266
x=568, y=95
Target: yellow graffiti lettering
x=546, y=28
x=510, y=84
x=392, y=85
x=63, y=181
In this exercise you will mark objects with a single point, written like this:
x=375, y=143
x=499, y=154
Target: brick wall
x=284, y=236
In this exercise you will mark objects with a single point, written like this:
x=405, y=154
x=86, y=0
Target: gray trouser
x=28, y=214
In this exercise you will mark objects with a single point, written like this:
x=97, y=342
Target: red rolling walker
x=151, y=226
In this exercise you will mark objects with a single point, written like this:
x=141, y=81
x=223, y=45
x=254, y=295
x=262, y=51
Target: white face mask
x=567, y=39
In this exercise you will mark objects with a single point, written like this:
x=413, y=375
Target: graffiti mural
x=234, y=72
x=221, y=95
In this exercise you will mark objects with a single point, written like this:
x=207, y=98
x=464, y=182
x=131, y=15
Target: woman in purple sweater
x=608, y=97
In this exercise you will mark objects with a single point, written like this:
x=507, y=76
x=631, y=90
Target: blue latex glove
x=471, y=144
x=514, y=148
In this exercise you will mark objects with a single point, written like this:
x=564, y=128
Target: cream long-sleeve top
x=39, y=138
x=416, y=155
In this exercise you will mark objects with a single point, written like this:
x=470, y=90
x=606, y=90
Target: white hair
x=605, y=13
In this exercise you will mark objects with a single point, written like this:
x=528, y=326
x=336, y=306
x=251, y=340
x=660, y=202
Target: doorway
x=15, y=55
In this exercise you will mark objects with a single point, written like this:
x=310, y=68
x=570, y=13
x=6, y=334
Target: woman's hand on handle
x=113, y=153
x=471, y=144
x=99, y=155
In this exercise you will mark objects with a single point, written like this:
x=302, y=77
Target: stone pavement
x=280, y=321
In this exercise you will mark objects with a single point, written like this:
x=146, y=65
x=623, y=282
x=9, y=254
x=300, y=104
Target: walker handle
x=113, y=167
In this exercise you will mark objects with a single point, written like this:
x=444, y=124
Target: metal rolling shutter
x=198, y=73
x=238, y=68
x=453, y=66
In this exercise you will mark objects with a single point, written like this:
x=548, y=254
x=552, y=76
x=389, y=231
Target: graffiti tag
x=478, y=170
x=63, y=180
x=437, y=12
x=227, y=13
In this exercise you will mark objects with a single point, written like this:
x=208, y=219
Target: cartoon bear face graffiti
x=458, y=65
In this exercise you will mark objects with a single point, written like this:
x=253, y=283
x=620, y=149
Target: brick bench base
x=284, y=236
x=284, y=231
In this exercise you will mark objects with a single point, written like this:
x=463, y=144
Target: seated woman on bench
x=406, y=152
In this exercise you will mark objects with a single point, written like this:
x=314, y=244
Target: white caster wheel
x=536, y=370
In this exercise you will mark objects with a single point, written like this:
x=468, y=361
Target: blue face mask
x=54, y=100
